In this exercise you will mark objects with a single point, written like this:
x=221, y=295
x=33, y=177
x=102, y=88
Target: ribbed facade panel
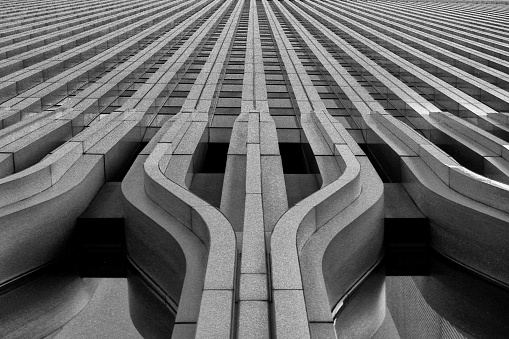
x=255, y=145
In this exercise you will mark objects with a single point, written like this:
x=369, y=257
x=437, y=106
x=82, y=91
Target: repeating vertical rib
x=304, y=98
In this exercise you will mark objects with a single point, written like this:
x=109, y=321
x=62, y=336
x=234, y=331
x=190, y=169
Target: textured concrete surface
x=252, y=140
x=105, y=316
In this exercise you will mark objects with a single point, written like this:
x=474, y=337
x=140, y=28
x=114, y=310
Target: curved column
x=312, y=248
x=211, y=227
x=204, y=291
x=297, y=275
x=40, y=204
x=347, y=246
x=70, y=175
x=477, y=210
x=430, y=117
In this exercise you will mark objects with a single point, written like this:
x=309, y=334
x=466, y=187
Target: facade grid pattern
x=256, y=152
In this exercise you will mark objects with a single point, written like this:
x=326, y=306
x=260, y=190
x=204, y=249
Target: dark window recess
x=385, y=161
x=214, y=160
x=122, y=173
x=298, y=158
x=100, y=244
x=464, y=155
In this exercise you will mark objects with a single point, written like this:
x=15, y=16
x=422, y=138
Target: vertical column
x=216, y=314
x=253, y=294
x=273, y=182
x=290, y=313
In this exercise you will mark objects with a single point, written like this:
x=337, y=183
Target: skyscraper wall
x=255, y=152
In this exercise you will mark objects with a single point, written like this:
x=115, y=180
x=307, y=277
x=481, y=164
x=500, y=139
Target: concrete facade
x=261, y=149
